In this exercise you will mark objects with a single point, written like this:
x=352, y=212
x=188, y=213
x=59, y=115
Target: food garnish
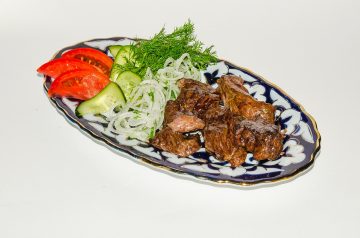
x=143, y=113
x=153, y=53
x=91, y=56
x=78, y=84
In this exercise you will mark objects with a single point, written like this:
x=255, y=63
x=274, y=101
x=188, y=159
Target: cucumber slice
x=102, y=102
x=123, y=54
x=127, y=82
x=115, y=71
x=114, y=49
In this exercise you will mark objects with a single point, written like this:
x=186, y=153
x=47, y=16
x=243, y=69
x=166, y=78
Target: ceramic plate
x=301, y=144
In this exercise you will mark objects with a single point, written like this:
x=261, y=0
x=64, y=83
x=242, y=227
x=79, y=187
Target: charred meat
x=241, y=103
x=175, y=142
x=196, y=97
x=180, y=121
x=265, y=141
x=220, y=140
x=233, y=123
x=193, y=84
x=215, y=112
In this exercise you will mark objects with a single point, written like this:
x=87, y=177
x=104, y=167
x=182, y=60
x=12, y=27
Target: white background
x=56, y=182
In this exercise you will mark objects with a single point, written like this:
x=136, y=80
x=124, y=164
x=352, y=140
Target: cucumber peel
x=114, y=49
x=123, y=55
x=106, y=99
x=128, y=81
x=115, y=71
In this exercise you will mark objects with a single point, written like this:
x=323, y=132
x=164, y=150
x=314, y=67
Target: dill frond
x=154, y=52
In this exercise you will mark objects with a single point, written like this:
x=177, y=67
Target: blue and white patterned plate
x=301, y=144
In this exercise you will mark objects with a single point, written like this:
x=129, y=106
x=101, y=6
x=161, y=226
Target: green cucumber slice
x=114, y=49
x=102, y=102
x=115, y=71
x=122, y=55
x=127, y=82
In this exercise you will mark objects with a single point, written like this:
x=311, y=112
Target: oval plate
x=301, y=144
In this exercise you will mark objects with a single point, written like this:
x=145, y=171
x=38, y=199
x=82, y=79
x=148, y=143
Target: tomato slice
x=94, y=57
x=56, y=67
x=79, y=83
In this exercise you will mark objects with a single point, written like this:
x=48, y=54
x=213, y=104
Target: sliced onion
x=143, y=113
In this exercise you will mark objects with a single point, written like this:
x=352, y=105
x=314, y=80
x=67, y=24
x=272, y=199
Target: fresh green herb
x=151, y=94
x=152, y=133
x=173, y=95
x=154, y=52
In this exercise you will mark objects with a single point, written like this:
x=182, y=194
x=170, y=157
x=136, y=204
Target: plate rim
x=296, y=173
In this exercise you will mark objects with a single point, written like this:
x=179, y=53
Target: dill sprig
x=154, y=52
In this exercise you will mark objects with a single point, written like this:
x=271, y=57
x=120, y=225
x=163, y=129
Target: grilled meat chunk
x=180, y=121
x=175, y=142
x=186, y=123
x=241, y=125
x=190, y=83
x=214, y=112
x=196, y=97
x=241, y=103
x=264, y=140
x=230, y=137
x=220, y=140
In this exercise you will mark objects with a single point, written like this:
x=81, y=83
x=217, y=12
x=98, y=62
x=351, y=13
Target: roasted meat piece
x=175, y=142
x=231, y=128
x=214, y=112
x=241, y=103
x=180, y=121
x=196, y=97
x=190, y=83
x=220, y=140
x=264, y=140
x=230, y=137
x=254, y=125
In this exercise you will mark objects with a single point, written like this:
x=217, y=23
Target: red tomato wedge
x=94, y=57
x=56, y=67
x=79, y=83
